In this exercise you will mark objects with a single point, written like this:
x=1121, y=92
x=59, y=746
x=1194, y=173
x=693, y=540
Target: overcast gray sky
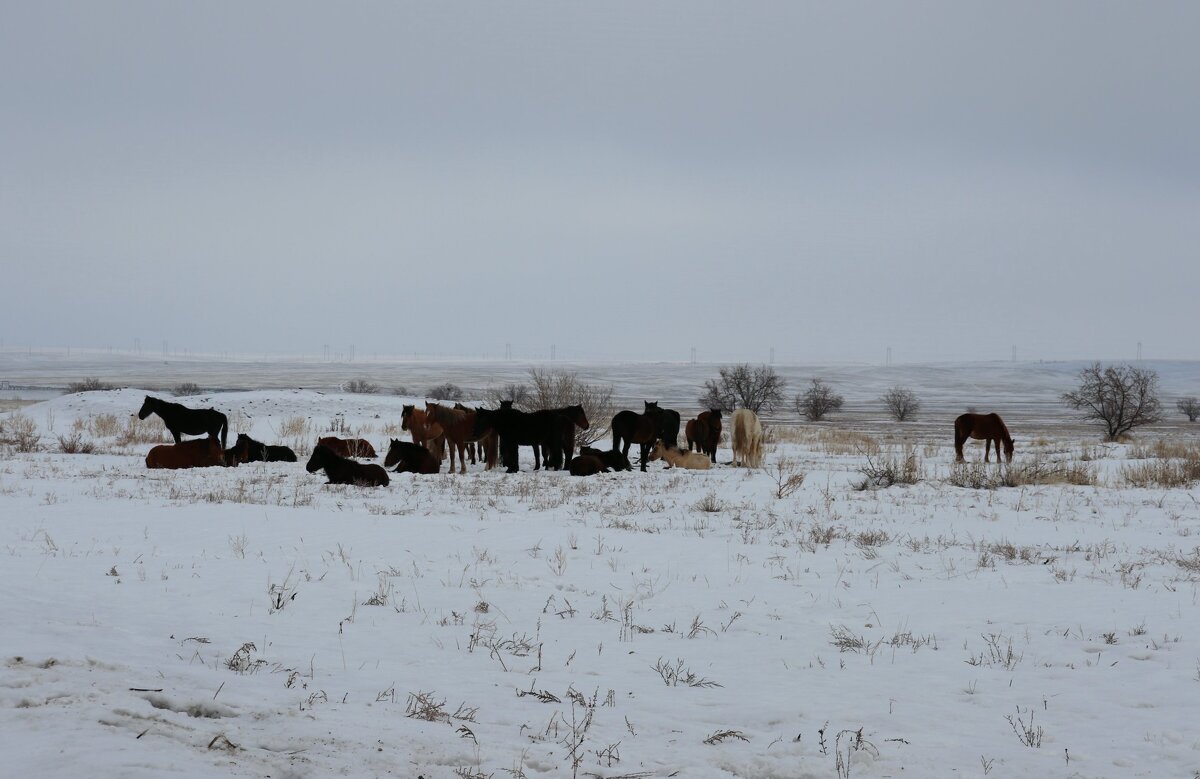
x=620, y=180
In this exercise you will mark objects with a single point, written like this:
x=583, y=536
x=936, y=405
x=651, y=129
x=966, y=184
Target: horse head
x=147, y=407
x=405, y=413
x=393, y=453
x=577, y=413
x=1009, y=445
x=506, y=404
x=320, y=454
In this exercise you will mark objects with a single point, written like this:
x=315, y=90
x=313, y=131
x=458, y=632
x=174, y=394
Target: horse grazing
x=641, y=429
x=348, y=447
x=341, y=470
x=747, y=438
x=410, y=458
x=458, y=426
x=586, y=465
x=989, y=427
x=704, y=432
x=197, y=453
x=183, y=420
x=674, y=457
x=424, y=431
x=247, y=450
x=612, y=458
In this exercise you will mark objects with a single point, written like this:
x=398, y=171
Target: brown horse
x=197, y=453
x=410, y=458
x=459, y=428
x=989, y=427
x=424, y=431
x=341, y=470
x=704, y=432
x=693, y=461
x=586, y=465
x=348, y=447
x=641, y=429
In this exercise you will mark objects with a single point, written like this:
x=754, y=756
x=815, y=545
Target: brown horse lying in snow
x=348, y=447
x=341, y=470
x=197, y=453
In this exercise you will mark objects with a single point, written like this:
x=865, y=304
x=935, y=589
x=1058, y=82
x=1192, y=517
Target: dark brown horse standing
x=341, y=470
x=197, y=453
x=704, y=432
x=989, y=427
x=641, y=429
x=190, y=421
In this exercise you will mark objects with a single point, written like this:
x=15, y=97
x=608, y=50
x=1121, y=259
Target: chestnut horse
x=424, y=431
x=458, y=426
x=705, y=433
x=341, y=470
x=641, y=429
x=989, y=427
x=410, y=458
x=348, y=447
x=192, y=421
x=197, y=453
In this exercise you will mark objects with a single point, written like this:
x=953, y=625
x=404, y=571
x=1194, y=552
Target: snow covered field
x=253, y=621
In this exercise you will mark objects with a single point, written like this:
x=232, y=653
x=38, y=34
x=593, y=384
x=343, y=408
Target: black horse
x=668, y=431
x=612, y=459
x=641, y=429
x=515, y=428
x=247, y=450
x=571, y=418
x=410, y=458
x=342, y=470
x=192, y=421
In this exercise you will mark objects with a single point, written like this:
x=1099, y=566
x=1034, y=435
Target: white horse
x=747, y=439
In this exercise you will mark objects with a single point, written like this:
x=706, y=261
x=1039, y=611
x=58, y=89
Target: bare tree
x=744, y=386
x=559, y=388
x=1120, y=397
x=901, y=403
x=817, y=401
x=1190, y=407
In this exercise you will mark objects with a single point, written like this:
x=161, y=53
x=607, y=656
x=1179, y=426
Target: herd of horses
x=494, y=436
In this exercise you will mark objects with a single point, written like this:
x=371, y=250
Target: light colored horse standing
x=747, y=439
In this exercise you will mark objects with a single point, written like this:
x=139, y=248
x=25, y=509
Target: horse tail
x=224, y=431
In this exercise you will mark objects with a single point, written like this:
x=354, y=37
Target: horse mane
x=1003, y=430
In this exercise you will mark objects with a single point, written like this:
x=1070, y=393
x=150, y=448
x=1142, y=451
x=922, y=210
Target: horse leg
x=987, y=449
x=645, y=455
x=462, y=457
x=178, y=436
x=959, y=438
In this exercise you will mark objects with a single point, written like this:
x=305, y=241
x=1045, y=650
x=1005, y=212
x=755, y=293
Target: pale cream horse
x=747, y=439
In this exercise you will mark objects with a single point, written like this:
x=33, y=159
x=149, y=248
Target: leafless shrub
x=722, y=735
x=998, y=650
x=425, y=706
x=75, y=443
x=818, y=401
x=846, y=743
x=186, y=388
x=759, y=389
x=241, y=661
x=1119, y=397
x=674, y=673
x=361, y=387
x=787, y=476
x=517, y=394
x=709, y=504
x=847, y=640
x=1189, y=407
x=559, y=388
x=90, y=384
x=901, y=403
x=20, y=432
x=446, y=391
x=1163, y=473
x=142, y=431
x=1027, y=733
x=297, y=434
x=885, y=470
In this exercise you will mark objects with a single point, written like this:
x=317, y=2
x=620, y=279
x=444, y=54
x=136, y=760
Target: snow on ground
x=254, y=621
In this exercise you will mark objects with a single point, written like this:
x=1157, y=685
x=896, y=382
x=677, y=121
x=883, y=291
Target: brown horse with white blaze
x=989, y=428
